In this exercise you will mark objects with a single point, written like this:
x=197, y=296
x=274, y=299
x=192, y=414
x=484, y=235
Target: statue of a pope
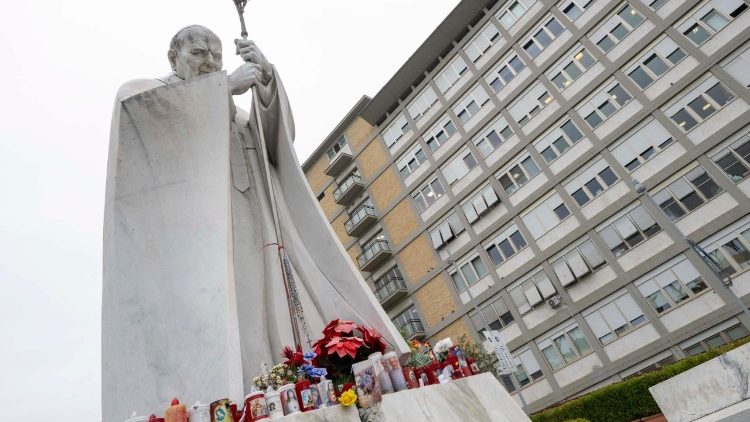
x=194, y=298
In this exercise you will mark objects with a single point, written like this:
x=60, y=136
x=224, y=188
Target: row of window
x=655, y=62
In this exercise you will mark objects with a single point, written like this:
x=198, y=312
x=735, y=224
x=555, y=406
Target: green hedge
x=627, y=400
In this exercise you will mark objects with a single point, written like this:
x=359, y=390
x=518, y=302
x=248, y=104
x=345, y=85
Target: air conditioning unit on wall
x=554, y=301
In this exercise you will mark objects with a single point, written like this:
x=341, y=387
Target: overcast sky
x=62, y=62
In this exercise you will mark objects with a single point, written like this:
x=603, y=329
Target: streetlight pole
x=516, y=384
x=724, y=277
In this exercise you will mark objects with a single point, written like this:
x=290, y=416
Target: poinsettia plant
x=345, y=343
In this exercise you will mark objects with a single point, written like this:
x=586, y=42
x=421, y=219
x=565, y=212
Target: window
x=542, y=37
x=592, y=182
x=493, y=136
x=573, y=9
x=428, y=194
x=655, y=4
x=532, y=292
x=735, y=159
x=615, y=319
x=727, y=335
x=505, y=245
x=710, y=18
x=510, y=14
x=530, y=103
x=616, y=28
x=468, y=273
x=393, y=276
x=446, y=231
x=558, y=141
x=471, y=104
x=336, y=147
x=642, y=145
x=564, y=347
x=738, y=66
x=656, y=62
x=604, y=104
x=527, y=369
x=410, y=320
x=545, y=216
x=629, y=231
x=411, y=161
x=571, y=68
x=395, y=130
x=732, y=253
x=518, y=174
x=451, y=74
x=673, y=285
x=482, y=42
x=495, y=315
x=578, y=263
x=422, y=103
x=459, y=166
x=439, y=133
x=687, y=193
x=700, y=104
x=480, y=203
x=505, y=71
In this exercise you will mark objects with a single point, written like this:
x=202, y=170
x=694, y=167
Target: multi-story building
x=537, y=167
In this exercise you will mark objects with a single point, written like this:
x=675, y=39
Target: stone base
x=477, y=398
x=716, y=390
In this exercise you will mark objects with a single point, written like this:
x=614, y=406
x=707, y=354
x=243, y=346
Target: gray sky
x=62, y=64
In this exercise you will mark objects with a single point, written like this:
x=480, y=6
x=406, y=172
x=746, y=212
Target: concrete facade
x=530, y=151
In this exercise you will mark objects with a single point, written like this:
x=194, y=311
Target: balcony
x=374, y=255
x=348, y=190
x=360, y=220
x=413, y=329
x=391, y=290
x=339, y=162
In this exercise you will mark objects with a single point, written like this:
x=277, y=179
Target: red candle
x=431, y=371
x=304, y=397
x=473, y=366
x=411, y=378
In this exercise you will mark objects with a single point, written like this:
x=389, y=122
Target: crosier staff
x=290, y=287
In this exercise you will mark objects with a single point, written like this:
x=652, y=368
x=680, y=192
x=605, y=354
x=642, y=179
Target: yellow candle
x=176, y=412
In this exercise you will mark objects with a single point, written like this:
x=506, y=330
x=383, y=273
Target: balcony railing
x=413, y=329
x=375, y=254
x=339, y=161
x=391, y=289
x=348, y=190
x=360, y=220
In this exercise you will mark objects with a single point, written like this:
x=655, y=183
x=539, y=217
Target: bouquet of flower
x=343, y=344
x=441, y=348
x=420, y=354
x=278, y=375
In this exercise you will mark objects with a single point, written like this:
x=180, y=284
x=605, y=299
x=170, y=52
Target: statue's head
x=195, y=50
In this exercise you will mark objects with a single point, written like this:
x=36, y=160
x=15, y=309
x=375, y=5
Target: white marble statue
x=193, y=295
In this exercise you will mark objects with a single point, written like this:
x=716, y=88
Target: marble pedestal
x=716, y=390
x=477, y=399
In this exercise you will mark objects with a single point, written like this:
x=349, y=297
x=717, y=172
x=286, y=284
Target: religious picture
x=271, y=407
x=368, y=387
x=257, y=409
x=315, y=397
x=289, y=399
x=307, y=399
x=327, y=393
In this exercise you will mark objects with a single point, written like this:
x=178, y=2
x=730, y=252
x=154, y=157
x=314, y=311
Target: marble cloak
x=193, y=295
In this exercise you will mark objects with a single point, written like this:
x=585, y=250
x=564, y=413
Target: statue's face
x=199, y=54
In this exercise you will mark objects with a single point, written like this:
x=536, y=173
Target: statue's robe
x=193, y=294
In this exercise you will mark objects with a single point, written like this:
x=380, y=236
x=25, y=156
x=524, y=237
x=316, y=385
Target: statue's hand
x=247, y=75
x=249, y=51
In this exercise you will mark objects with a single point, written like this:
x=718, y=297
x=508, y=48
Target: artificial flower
x=293, y=358
x=345, y=346
x=348, y=398
x=372, y=338
x=337, y=327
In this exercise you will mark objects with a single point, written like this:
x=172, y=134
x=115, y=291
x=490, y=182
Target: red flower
x=373, y=339
x=338, y=327
x=293, y=358
x=345, y=346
